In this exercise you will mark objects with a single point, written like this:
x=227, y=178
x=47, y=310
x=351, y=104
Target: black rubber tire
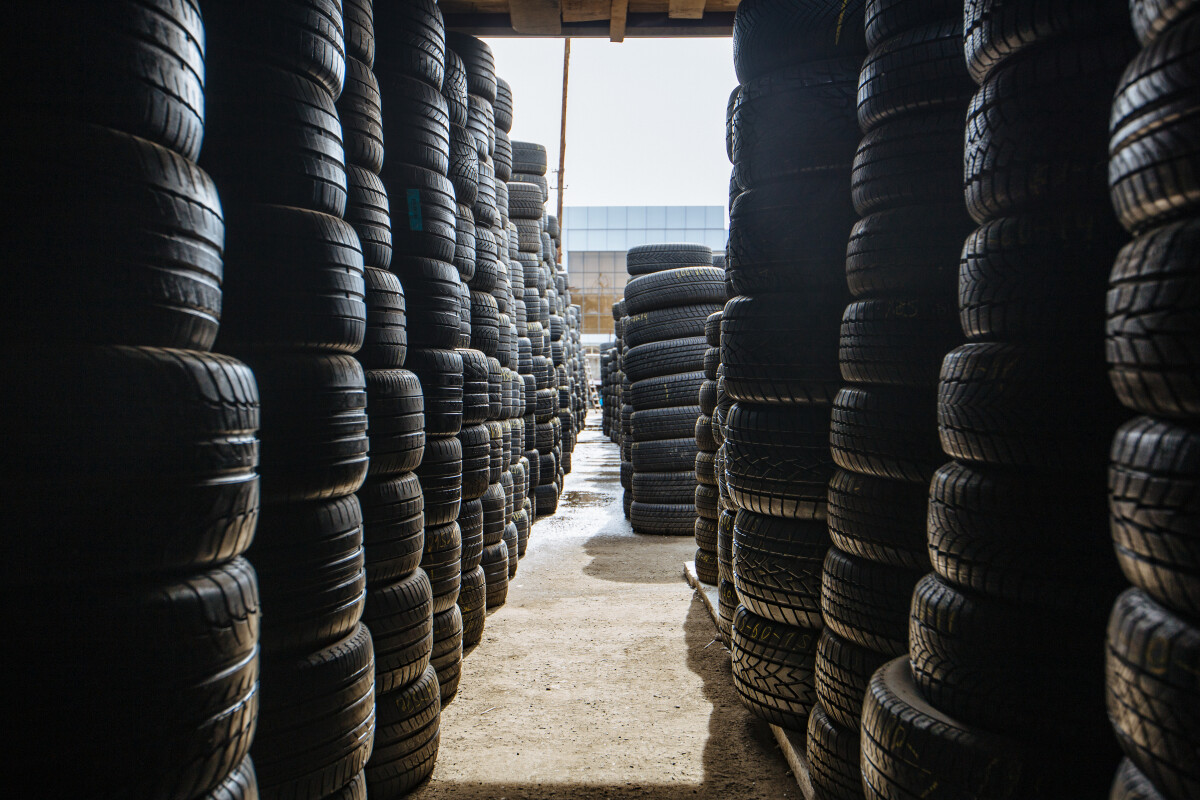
x=358, y=18
x=657, y=519
x=425, y=216
x=440, y=474
x=476, y=445
x=647, y=258
x=773, y=669
x=480, y=123
x=782, y=348
x=905, y=741
x=667, y=357
x=684, y=286
x=795, y=121
x=1152, y=17
x=675, y=422
x=525, y=203
x=664, y=455
x=479, y=61
x=495, y=570
x=703, y=431
x=843, y=671
x=777, y=568
x=546, y=497
x=668, y=391
x=441, y=376
x=368, y=211
x=464, y=167
x=771, y=34
x=315, y=442
x=494, y=503
x=708, y=397
x=913, y=73
x=416, y=39
x=446, y=659
x=406, y=738
x=418, y=122
x=706, y=469
x=242, y=784
x=271, y=135
x=393, y=512
x=318, y=719
x=899, y=342
x=678, y=322
x=777, y=459
x=361, y=112
x=1154, y=323
x=887, y=18
x=135, y=233
x=502, y=159
x=995, y=407
x=1036, y=134
x=908, y=252
x=1150, y=668
x=707, y=501
x=476, y=399
x=712, y=362
x=1131, y=784
x=706, y=538
x=1154, y=503
x=385, y=343
x=867, y=603
x=530, y=158
x=712, y=330
x=472, y=604
x=833, y=758
x=1000, y=533
x=879, y=520
x=181, y=650
x=485, y=324
x=400, y=617
x=454, y=89
x=464, y=243
x=396, y=416
x=706, y=567
x=470, y=526
x=915, y=159
x=887, y=432
x=504, y=105
x=442, y=562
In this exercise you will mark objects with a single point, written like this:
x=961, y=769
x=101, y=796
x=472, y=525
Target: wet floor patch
x=586, y=499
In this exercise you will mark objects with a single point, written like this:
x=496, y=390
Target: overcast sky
x=645, y=118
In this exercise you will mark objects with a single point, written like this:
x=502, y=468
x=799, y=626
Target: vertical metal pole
x=562, y=141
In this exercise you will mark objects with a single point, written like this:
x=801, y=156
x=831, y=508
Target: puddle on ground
x=577, y=499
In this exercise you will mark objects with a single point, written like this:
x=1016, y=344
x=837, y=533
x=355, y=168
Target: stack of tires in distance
x=707, y=497
x=609, y=387
x=902, y=271
x=623, y=410
x=673, y=291
x=792, y=135
x=130, y=450
x=1001, y=694
x=1153, y=652
x=294, y=307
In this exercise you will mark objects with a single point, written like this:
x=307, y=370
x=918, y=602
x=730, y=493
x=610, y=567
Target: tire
x=425, y=220
x=310, y=564
x=777, y=460
x=1131, y=784
x=679, y=322
x=1152, y=17
x=708, y=397
x=782, y=348
x=361, y=112
x=396, y=416
x=896, y=342
x=1153, y=502
x=706, y=501
x=495, y=570
x=315, y=443
x=685, y=286
x=888, y=18
x=525, y=203
x=648, y=258
x=867, y=603
x=706, y=538
x=407, y=737
x=1152, y=323
x=1150, y=668
x=833, y=757
x=777, y=568
x=472, y=604
x=879, y=520
x=917, y=71
x=485, y=321
x=359, y=22
x=448, y=651
x=886, y=432
x=464, y=247
x=530, y=158
x=909, y=161
x=1020, y=420
x=464, y=167
x=440, y=474
x=271, y=135
x=712, y=362
x=773, y=669
x=663, y=488
x=416, y=40
x=494, y=503
x=476, y=445
x=843, y=671
x=703, y=431
x=393, y=512
x=479, y=61
x=480, y=122
x=546, y=498
x=664, y=455
x=712, y=330
x=706, y=567
x=242, y=784
x=668, y=391
x=706, y=468
x=771, y=34
x=137, y=241
x=385, y=341
x=368, y=211
x=908, y=252
x=470, y=525
x=442, y=563
x=318, y=719
x=661, y=519
x=476, y=401
x=794, y=122
x=441, y=376
x=401, y=620
x=504, y=169
x=905, y=741
x=181, y=650
x=454, y=89
x=504, y=105
x=668, y=357
x=1036, y=136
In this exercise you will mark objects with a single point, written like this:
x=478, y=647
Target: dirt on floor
x=602, y=677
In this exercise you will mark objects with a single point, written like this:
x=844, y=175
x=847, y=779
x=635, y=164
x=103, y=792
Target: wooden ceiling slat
x=536, y=17
x=616, y=29
x=687, y=9
x=586, y=10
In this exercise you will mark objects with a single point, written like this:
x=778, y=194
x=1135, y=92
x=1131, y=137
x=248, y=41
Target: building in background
x=595, y=240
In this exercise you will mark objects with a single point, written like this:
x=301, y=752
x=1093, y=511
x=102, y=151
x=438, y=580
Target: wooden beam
x=616, y=28
x=586, y=10
x=536, y=17
x=687, y=9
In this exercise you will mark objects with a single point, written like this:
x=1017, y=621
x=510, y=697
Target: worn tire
x=777, y=568
x=777, y=460
x=773, y=669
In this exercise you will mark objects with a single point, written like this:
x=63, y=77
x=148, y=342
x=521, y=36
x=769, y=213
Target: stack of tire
x=623, y=410
x=1153, y=650
x=528, y=193
x=609, y=361
x=131, y=450
x=672, y=292
x=792, y=134
x=906, y=184
x=707, y=495
x=1001, y=693
x=294, y=308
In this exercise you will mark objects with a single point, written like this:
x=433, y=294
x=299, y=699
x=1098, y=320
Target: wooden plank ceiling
x=615, y=19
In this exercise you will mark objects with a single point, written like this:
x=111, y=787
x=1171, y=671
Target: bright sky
x=645, y=118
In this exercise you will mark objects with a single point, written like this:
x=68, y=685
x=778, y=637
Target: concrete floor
x=602, y=677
